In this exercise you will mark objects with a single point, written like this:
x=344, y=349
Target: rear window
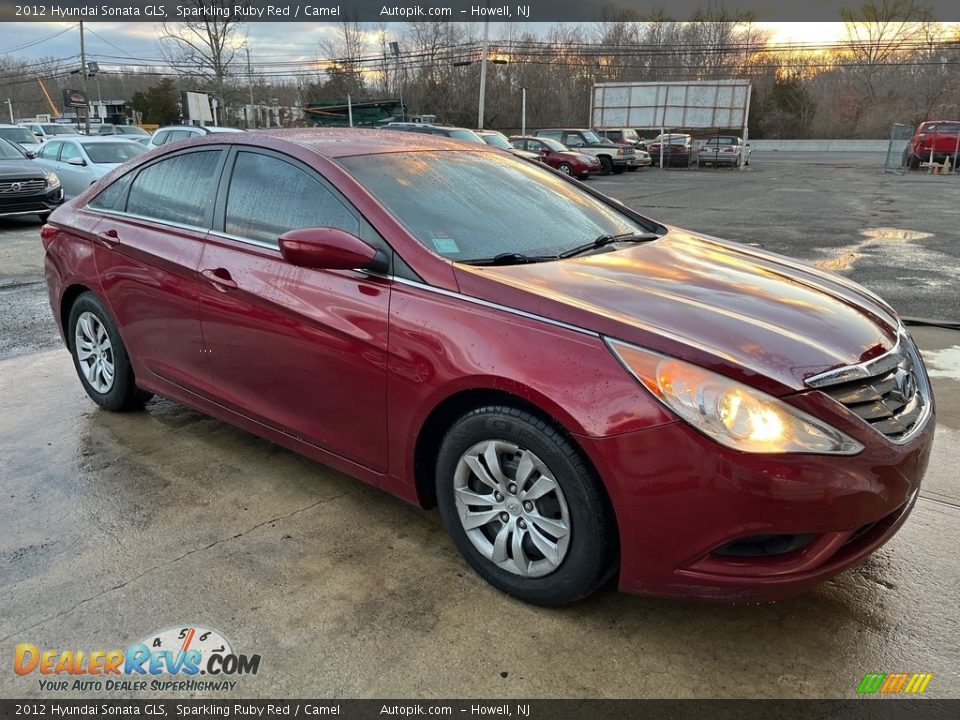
x=179, y=189
x=950, y=128
x=112, y=152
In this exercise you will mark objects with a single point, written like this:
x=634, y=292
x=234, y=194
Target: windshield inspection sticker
x=447, y=246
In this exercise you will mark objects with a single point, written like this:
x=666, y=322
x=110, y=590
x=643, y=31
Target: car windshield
x=57, y=130
x=470, y=135
x=468, y=206
x=10, y=152
x=112, y=152
x=591, y=137
x=17, y=135
x=723, y=141
x=497, y=141
x=942, y=128
x=554, y=145
x=130, y=130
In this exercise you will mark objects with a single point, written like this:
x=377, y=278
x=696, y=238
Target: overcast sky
x=268, y=41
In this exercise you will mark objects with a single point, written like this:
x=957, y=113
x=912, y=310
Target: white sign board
x=698, y=104
x=196, y=107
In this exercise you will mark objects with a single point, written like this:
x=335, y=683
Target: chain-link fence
x=898, y=156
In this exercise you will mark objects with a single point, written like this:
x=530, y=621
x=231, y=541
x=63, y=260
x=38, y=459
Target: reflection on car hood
x=754, y=315
x=20, y=169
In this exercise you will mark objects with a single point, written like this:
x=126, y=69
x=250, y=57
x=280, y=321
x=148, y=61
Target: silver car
x=79, y=162
x=22, y=137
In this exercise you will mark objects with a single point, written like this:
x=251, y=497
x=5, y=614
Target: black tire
x=633, y=168
x=590, y=556
x=619, y=169
x=565, y=168
x=122, y=394
x=607, y=165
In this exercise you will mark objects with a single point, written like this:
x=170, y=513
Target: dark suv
x=25, y=187
x=613, y=158
x=624, y=136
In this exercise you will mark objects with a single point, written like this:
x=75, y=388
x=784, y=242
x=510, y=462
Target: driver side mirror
x=31, y=154
x=76, y=161
x=327, y=248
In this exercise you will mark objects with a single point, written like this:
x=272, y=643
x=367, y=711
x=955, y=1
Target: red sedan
x=585, y=392
x=559, y=156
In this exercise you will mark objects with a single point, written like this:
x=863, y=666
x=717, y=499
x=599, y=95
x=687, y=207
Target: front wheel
x=565, y=168
x=607, y=165
x=523, y=508
x=100, y=357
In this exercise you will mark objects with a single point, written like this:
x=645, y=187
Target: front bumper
x=31, y=204
x=682, y=500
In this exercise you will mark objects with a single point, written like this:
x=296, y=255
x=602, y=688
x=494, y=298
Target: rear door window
x=51, y=150
x=179, y=189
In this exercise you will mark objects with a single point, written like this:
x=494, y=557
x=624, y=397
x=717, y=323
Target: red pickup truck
x=938, y=136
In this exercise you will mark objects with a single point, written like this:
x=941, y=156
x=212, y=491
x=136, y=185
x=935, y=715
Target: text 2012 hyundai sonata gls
x=583, y=391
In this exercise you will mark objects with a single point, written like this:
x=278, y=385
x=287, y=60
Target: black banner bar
x=864, y=709
x=448, y=10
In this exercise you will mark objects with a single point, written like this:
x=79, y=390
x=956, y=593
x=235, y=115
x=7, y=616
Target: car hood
x=19, y=169
x=752, y=315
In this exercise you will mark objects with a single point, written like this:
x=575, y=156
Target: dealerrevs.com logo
x=188, y=659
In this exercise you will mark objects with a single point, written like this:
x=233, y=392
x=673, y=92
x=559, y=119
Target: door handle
x=220, y=279
x=108, y=238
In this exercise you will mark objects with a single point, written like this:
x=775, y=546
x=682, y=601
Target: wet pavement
x=115, y=526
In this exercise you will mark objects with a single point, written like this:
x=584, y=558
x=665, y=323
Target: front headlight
x=735, y=415
x=52, y=180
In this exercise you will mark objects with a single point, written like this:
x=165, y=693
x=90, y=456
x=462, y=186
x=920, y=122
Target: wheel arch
x=446, y=412
x=69, y=297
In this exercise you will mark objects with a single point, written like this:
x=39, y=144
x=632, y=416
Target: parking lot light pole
x=483, y=71
x=523, y=111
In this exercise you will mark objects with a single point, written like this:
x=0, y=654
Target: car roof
x=346, y=142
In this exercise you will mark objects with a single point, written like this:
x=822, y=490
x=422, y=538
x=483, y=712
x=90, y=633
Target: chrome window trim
x=495, y=306
x=165, y=223
x=246, y=241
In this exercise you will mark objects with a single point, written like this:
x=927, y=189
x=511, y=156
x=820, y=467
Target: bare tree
x=205, y=48
x=344, y=54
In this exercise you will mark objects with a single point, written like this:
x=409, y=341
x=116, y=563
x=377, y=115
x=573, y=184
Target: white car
x=173, y=133
x=81, y=161
x=48, y=131
x=22, y=137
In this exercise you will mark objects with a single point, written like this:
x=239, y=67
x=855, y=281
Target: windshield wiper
x=604, y=240
x=511, y=258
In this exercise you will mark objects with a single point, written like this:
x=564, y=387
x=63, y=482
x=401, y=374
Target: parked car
x=677, y=149
x=46, y=131
x=934, y=141
x=173, y=133
x=81, y=161
x=613, y=158
x=499, y=140
x=721, y=150
x=431, y=129
x=110, y=129
x=586, y=393
x=559, y=156
x=22, y=137
x=624, y=136
x=26, y=188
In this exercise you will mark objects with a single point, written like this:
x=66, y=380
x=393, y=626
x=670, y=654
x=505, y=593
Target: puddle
x=838, y=263
x=889, y=233
x=943, y=363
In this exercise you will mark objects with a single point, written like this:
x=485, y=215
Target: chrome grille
x=22, y=187
x=891, y=393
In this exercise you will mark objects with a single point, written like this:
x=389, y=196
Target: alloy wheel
x=94, y=352
x=512, y=508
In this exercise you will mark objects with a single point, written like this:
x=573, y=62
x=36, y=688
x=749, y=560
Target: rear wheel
x=100, y=357
x=522, y=507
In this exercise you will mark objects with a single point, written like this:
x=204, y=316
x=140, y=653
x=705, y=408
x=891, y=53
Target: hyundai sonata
x=585, y=393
